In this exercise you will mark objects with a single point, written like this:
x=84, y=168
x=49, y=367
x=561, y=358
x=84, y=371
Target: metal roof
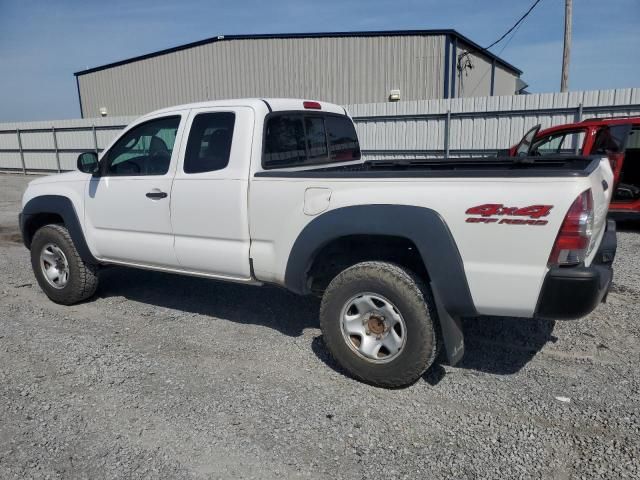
x=265, y=36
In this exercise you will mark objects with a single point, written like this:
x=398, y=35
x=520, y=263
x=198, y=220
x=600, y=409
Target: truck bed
x=550, y=166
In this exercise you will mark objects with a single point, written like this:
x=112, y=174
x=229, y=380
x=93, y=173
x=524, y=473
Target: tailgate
x=602, y=189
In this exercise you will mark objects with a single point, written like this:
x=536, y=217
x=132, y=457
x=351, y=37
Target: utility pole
x=566, y=52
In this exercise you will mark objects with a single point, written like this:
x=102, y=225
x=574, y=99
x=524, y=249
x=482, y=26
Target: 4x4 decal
x=491, y=213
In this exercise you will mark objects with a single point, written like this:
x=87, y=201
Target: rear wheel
x=377, y=321
x=59, y=270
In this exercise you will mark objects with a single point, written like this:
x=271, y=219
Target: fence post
x=95, y=139
x=447, y=125
x=576, y=147
x=24, y=167
x=579, y=114
x=55, y=146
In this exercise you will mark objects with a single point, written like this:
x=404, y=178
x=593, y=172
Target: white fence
x=52, y=146
x=411, y=129
x=477, y=126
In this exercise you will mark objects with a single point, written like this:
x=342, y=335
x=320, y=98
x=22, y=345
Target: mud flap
x=451, y=328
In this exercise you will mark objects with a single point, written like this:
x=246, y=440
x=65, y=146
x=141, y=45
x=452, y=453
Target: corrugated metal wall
x=340, y=70
x=414, y=129
x=477, y=126
x=475, y=79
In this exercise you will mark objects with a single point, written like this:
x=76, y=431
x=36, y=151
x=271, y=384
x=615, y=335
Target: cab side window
x=144, y=150
x=566, y=143
x=209, y=144
x=610, y=139
x=548, y=146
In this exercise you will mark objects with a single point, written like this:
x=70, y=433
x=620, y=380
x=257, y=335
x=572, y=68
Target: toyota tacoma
x=274, y=191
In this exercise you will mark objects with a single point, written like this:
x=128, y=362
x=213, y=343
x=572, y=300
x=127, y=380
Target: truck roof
x=589, y=122
x=611, y=120
x=266, y=104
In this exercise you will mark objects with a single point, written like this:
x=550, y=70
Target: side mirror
x=88, y=162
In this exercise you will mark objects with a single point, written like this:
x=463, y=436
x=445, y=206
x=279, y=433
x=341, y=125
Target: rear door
x=209, y=206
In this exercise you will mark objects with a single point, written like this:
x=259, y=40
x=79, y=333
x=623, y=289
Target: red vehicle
x=618, y=138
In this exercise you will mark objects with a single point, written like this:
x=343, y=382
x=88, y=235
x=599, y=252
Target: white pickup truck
x=274, y=191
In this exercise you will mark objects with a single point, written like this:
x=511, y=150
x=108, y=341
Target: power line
x=513, y=30
x=515, y=25
x=499, y=53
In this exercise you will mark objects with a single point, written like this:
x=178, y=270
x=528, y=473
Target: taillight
x=574, y=238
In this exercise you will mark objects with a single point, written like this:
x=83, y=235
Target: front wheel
x=377, y=320
x=63, y=276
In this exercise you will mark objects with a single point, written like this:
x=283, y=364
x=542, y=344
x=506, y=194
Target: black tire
x=82, y=278
x=411, y=298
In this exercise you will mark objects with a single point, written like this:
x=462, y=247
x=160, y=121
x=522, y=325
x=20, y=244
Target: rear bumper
x=573, y=292
x=624, y=215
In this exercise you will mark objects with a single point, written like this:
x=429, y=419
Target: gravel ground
x=161, y=376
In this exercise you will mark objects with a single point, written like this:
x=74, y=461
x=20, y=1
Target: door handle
x=156, y=195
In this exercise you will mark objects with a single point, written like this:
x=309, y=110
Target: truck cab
x=171, y=192
x=617, y=138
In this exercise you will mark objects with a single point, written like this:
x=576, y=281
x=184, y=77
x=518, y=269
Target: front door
x=127, y=211
x=611, y=140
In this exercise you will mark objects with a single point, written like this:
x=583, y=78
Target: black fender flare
x=423, y=226
x=59, y=205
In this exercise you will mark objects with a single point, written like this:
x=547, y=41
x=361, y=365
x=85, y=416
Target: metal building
x=344, y=68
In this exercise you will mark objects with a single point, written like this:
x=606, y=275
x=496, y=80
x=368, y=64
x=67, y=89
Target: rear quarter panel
x=505, y=264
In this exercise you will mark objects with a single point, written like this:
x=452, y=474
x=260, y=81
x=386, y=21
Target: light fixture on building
x=103, y=111
x=394, y=95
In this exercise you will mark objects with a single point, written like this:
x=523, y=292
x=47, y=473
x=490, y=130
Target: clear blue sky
x=42, y=42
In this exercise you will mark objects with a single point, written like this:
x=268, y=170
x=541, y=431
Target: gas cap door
x=316, y=200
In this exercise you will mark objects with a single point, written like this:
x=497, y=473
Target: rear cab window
x=298, y=139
